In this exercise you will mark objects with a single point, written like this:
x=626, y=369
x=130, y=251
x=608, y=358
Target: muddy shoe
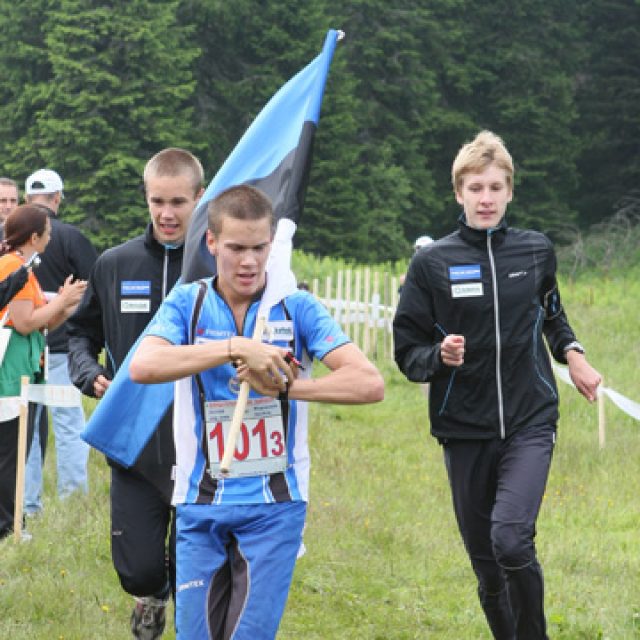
x=148, y=618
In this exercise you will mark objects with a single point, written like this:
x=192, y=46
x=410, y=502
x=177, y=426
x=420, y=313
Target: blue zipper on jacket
x=439, y=327
x=536, y=333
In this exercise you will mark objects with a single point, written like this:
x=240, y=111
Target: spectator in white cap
x=46, y=182
x=422, y=241
x=68, y=253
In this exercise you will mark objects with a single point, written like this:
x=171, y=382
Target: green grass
x=384, y=559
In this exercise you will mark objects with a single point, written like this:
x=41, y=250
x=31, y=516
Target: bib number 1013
x=260, y=448
x=254, y=440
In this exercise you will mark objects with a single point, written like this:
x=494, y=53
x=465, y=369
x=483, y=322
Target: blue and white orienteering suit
x=238, y=537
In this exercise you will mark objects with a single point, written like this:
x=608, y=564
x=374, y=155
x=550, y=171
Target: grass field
x=384, y=560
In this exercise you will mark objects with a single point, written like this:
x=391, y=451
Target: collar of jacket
x=478, y=237
x=154, y=246
x=257, y=296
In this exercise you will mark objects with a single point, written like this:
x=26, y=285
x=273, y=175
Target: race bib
x=261, y=447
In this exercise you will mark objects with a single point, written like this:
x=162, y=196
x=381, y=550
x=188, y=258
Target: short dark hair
x=21, y=223
x=241, y=202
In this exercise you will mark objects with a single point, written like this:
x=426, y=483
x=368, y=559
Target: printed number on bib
x=261, y=447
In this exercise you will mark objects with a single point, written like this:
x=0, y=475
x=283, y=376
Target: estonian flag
x=274, y=155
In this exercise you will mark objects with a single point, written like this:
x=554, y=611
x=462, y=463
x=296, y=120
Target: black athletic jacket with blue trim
x=126, y=286
x=498, y=289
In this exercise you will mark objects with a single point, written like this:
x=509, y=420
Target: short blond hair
x=175, y=162
x=475, y=156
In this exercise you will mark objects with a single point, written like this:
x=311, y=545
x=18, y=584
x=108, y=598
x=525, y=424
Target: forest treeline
x=93, y=88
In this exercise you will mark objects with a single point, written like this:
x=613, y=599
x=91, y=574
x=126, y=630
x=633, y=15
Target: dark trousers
x=497, y=488
x=8, y=467
x=143, y=536
x=43, y=429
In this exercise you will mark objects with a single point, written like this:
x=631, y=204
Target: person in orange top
x=27, y=232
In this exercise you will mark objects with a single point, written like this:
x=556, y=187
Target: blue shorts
x=234, y=568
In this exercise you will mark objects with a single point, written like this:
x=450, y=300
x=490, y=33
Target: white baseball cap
x=43, y=181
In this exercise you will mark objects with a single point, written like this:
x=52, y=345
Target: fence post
x=385, y=315
x=356, y=304
x=375, y=312
x=601, y=415
x=394, y=306
x=339, y=302
x=327, y=295
x=315, y=288
x=347, y=300
x=366, y=299
x=21, y=459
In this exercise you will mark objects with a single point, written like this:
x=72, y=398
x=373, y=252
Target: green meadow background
x=384, y=559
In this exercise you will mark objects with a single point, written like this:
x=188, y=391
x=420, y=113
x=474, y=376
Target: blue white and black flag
x=274, y=155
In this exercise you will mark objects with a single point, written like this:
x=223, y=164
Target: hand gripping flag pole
x=273, y=155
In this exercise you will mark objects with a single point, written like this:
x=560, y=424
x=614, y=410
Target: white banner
x=51, y=395
x=630, y=407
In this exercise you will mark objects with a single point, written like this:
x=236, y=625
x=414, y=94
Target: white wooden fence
x=364, y=303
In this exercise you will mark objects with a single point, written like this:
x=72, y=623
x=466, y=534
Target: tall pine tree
x=93, y=90
x=609, y=102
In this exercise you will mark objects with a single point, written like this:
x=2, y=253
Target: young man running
x=126, y=287
x=471, y=320
x=238, y=536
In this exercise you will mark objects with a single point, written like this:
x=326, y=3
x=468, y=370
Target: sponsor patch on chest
x=467, y=290
x=135, y=288
x=135, y=305
x=465, y=272
x=466, y=281
x=278, y=331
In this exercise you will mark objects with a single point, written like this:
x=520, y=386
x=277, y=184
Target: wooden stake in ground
x=601, y=415
x=21, y=459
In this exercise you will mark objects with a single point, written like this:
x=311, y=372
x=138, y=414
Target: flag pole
x=238, y=412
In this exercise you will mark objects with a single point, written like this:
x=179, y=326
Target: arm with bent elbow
x=158, y=360
x=352, y=379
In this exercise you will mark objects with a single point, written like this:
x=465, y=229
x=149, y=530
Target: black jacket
x=126, y=287
x=12, y=284
x=68, y=253
x=498, y=289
